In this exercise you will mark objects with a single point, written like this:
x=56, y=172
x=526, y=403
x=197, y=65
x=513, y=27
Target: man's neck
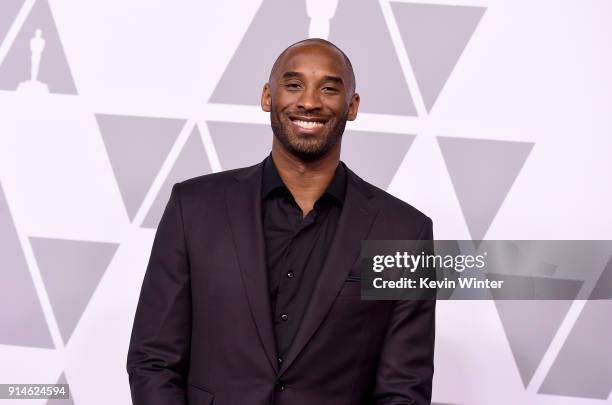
x=306, y=181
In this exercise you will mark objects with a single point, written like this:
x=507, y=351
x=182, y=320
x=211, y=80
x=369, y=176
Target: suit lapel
x=244, y=209
x=354, y=224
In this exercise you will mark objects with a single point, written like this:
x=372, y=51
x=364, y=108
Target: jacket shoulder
x=389, y=204
x=394, y=204
x=210, y=182
x=397, y=219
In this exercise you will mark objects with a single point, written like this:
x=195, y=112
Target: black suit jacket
x=203, y=329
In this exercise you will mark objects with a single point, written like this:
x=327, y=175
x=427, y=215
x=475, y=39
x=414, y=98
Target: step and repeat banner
x=490, y=116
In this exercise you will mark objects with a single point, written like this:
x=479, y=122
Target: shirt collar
x=272, y=181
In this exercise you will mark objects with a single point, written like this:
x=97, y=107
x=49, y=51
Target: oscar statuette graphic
x=37, y=46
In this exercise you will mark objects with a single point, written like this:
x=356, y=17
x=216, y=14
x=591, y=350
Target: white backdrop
x=491, y=116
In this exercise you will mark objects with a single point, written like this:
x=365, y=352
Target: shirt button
x=290, y=274
x=284, y=317
x=279, y=386
x=280, y=360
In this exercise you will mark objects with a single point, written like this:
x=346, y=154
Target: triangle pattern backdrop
x=54, y=69
x=586, y=373
x=191, y=162
x=382, y=86
x=10, y=8
x=256, y=141
x=390, y=150
x=530, y=327
x=482, y=172
x=380, y=79
x=71, y=271
x=70, y=401
x=21, y=316
x=277, y=24
x=435, y=37
x=137, y=147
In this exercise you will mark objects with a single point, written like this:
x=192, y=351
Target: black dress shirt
x=296, y=247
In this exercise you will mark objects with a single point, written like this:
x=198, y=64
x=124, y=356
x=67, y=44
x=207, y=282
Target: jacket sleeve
x=405, y=368
x=158, y=355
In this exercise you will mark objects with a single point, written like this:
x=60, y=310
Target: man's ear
x=266, y=98
x=353, y=107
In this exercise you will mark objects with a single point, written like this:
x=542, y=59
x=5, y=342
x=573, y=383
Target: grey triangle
x=255, y=142
x=54, y=70
x=435, y=36
x=530, y=327
x=21, y=316
x=380, y=79
x=10, y=8
x=583, y=367
x=137, y=147
x=62, y=380
x=71, y=271
x=482, y=172
x=277, y=24
x=375, y=156
x=191, y=162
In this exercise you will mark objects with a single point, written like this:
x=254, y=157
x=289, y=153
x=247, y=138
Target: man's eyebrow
x=289, y=75
x=335, y=79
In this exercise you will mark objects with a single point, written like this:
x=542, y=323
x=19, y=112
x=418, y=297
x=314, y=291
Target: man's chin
x=307, y=155
x=308, y=152
x=305, y=147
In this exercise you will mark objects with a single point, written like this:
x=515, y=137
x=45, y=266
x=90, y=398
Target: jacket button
x=284, y=317
x=279, y=387
x=290, y=274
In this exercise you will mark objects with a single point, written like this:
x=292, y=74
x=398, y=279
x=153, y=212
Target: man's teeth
x=308, y=124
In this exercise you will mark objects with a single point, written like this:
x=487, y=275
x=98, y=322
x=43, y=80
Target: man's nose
x=310, y=99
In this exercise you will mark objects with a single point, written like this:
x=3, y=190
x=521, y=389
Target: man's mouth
x=308, y=123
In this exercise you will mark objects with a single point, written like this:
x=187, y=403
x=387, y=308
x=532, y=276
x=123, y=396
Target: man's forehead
x=310, y=54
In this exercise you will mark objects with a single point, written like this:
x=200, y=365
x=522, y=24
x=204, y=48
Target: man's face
x=309, y=99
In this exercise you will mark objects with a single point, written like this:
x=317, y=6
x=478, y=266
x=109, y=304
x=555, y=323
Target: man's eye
x=293, y=85
x=330, y=89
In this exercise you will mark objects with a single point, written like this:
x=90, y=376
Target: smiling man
x=252, y=291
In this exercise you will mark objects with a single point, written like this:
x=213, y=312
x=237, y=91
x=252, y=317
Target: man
x=252, y=292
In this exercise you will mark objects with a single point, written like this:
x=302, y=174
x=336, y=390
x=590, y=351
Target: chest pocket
x=352, y=284
x=198, y=396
